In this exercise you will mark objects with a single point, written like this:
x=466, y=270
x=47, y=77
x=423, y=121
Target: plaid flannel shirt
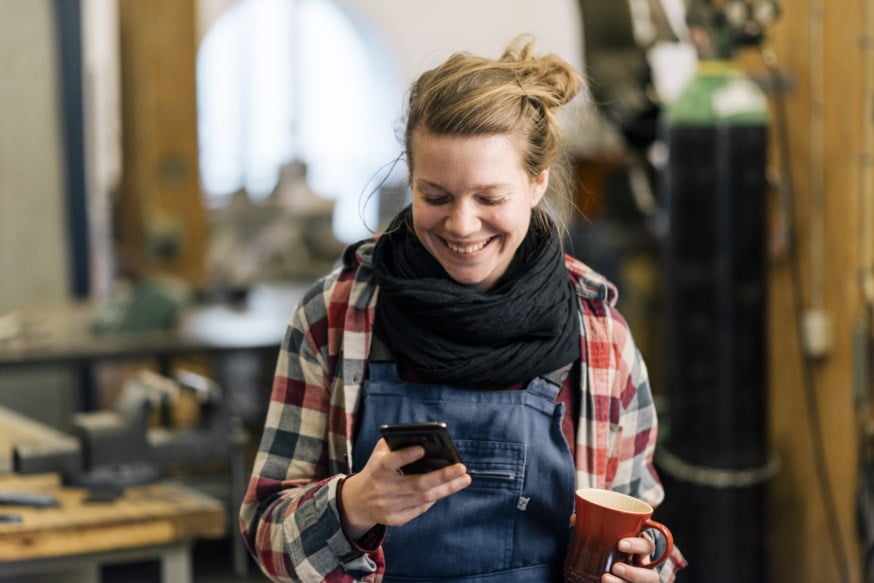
x=289, y=515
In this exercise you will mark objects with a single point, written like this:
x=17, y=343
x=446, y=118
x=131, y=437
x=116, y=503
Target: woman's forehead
x=438, y=146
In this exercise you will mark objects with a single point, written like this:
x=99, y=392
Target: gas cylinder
x=714, y=456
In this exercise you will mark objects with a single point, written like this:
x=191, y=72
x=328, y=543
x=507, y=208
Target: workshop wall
x=33, y=238
x=33, y=261
x=421, y=34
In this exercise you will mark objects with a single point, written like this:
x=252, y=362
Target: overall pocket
x=468, y=533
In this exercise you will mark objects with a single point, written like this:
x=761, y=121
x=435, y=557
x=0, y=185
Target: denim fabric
x=512, y=523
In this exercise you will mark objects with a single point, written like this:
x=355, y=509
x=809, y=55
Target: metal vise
x=125, y=446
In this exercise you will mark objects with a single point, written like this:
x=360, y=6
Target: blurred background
x=174, y=174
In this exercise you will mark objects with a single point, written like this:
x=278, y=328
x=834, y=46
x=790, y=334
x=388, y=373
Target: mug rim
x=609, y=498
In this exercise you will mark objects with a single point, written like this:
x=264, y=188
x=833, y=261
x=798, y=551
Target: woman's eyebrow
x=475, y=188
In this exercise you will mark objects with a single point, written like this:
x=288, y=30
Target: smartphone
x=440, y=450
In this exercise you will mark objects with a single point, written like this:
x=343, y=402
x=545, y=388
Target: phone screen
x=440, y=450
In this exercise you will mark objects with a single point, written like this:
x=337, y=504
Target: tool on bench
x=28, y=499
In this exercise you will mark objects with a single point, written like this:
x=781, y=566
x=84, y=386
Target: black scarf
x=523, y=327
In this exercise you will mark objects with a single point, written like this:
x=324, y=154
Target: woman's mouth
x=468, y=248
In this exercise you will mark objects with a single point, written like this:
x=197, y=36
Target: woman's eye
x=436, y=199
x=492, y=201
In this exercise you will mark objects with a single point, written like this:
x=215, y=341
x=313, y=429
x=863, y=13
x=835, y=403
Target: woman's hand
x=379, y=494
x=643, y=549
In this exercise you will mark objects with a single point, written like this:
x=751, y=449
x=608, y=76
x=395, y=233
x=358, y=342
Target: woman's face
x=472, y=203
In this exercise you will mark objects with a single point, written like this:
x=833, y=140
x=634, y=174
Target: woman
x=464, y=311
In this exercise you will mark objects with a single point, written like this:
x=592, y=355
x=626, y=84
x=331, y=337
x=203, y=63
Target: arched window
x=283, y=80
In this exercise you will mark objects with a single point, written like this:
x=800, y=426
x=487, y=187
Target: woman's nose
x=462, y=220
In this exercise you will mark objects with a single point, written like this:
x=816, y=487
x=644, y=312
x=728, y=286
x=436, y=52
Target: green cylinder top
x=719, y=93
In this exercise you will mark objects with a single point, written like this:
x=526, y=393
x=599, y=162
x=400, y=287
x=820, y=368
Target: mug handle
x=669, y=542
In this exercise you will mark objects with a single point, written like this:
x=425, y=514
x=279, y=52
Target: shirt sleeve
x=638, y=427
x=289, y=517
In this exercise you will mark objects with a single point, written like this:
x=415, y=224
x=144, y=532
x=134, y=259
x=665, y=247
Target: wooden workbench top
x=157, y=514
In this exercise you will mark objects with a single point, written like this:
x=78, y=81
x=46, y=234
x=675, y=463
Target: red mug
x=604, y=518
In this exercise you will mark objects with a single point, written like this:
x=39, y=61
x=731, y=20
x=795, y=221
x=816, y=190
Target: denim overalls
x=512, y=523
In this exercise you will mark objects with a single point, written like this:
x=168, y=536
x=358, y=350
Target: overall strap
x=547, y=386
x=381, y=363
x=558, y=376
x=379, y=350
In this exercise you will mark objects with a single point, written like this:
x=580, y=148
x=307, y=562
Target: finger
x=443, y=475
x=573, y=519
x=626, y=572
x=420, y=498
x=438, y=484
x=445, y=489
x=637, y=546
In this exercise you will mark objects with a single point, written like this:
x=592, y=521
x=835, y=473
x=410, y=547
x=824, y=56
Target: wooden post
x=799, y=547
x=160, y=223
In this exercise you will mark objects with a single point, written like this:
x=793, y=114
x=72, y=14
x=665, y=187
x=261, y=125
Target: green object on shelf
x=147, y=306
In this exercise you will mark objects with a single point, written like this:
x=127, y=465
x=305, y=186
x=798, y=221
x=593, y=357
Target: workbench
x=61, y=337
x=62, y=333
x=71, y=542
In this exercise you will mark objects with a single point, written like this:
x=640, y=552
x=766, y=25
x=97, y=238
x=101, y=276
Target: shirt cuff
x=372, y=539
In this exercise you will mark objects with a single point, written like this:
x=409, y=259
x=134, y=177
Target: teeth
x=469, y=248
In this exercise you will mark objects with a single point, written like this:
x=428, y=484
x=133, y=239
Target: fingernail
x=625, y=546
x=619, y=569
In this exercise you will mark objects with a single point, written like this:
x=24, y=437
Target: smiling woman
x=464, y=311
x=273, y=78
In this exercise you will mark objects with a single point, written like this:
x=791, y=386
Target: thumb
x=400, y=457
x=407, y=455
x=410, y=454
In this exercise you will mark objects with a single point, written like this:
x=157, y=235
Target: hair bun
x=547, y=78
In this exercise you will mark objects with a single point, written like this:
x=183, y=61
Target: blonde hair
x=517, y=96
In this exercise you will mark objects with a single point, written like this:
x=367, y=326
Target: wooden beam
x=161, y=220
x=799, y=547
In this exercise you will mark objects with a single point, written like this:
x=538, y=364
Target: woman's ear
x=539, y=185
